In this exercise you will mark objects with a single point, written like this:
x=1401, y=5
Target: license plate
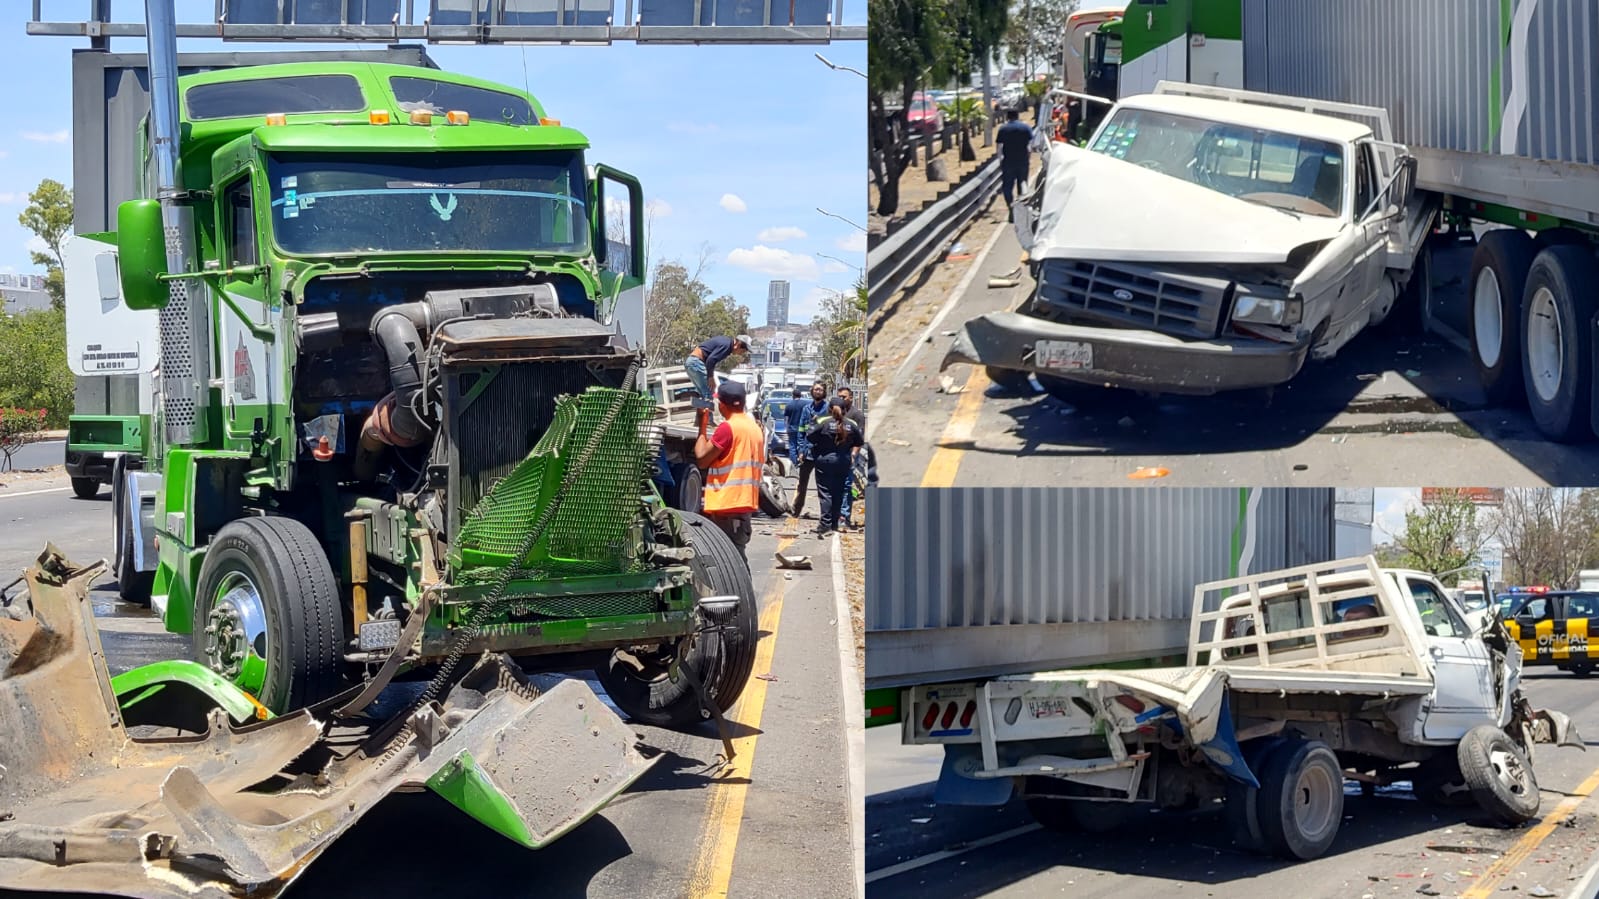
x=1064, y=355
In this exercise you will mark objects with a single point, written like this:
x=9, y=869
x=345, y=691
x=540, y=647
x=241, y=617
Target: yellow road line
x=1516, y=854
x=946, y=461
x=713, y=865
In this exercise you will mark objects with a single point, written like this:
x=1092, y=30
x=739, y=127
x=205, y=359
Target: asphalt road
x=776, y=822
x=1389, y=844
x=41, y=454
x=1388, y=411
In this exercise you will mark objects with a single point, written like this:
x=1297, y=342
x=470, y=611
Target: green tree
x=49, y=216
x=980, y=31
x=1548, y=535
x=35, y=374
x=679, y=311
x=907, y=41
x=1444, y=535
x=842, y=323
x=721, y=317
x=1036, y=36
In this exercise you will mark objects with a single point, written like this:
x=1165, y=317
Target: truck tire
x=1074, y=815
x=266, y=613
x=1301, y=800
x=774, y=499
x=85, y=488
x=1581, y=669
x=724, y=659
x=133, y=586
x=1438, y=781
x=1499, y=269
x=1557, y=356
x=1242, y=805
x=1409, y=313
x=1010, y=380
x=1499, y=775
x=690, y=488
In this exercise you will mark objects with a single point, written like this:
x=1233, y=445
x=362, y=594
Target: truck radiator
x=1134, y=296
x=593, y=531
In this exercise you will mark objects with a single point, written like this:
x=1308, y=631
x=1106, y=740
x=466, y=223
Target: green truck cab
x=394, y=419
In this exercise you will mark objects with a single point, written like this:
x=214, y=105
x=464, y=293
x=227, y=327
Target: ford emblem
x=1123, y=294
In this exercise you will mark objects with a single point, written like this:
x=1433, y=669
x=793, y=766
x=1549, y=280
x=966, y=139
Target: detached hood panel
x=1101, y=209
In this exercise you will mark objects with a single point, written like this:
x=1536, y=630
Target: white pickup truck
x=1209, y=239
x=1297, y=680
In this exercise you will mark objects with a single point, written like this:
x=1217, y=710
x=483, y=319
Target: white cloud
x=775, y=262
x=854, y=243
x=809, y=305
x=1390, y=518
x=658, y=208
x=48, y=137
x=780, y=234
x=733, y=203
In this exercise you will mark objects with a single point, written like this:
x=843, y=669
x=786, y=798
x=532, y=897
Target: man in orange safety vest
x=733, y=457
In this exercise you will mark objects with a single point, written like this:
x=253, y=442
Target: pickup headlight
x=1283, y=312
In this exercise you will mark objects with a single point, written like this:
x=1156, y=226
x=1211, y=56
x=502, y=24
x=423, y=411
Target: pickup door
x=1463, y=690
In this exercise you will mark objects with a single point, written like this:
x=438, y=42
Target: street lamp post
x=838, y=68
x=840, y=218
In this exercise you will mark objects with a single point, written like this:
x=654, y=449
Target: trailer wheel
x=1557, y=362
x=85, y=488
x=1010, y=380
x=1438, y=781
x=690, y=487
x=1499, y=269
x=640, y=683
x=1301, y=799
x=1068, y=815
x=266, y=613
x=1499, y=775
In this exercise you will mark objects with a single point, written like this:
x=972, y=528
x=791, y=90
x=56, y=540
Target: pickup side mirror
x=142, y=254
x=1404, y=183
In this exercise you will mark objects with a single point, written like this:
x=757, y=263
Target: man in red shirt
x=733, y=457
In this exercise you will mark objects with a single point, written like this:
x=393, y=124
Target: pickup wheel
x=641, y=683
x=1499, y=269
x=85, y=488
x=266, y=613
x=1301, y=800
x=1499, y=775
x=1557, y=321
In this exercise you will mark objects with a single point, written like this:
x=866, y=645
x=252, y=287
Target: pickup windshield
x=1301, y=175
x=517, y=202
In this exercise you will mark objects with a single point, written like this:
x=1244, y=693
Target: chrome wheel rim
x=1546, y=349
x=1486, y=315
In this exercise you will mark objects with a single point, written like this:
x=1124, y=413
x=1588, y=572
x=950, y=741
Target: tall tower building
x=777, y=304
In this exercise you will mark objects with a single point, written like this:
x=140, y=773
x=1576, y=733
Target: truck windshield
x=517, y=202
x=1285, y=171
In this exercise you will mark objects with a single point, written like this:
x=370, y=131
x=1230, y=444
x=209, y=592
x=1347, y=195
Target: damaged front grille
x=1132, y=295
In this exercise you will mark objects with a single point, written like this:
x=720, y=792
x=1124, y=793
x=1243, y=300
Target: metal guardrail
x=909, y=250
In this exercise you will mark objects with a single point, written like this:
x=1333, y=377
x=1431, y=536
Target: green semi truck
x=393, y=420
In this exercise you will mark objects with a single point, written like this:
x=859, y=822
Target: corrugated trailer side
x=1494, y=96
x=981, y=582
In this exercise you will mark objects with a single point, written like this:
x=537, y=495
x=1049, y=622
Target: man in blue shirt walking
x=1013, y=138
x=799, y=443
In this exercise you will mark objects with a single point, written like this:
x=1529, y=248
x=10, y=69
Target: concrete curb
x=896, y=383
x=849, y=678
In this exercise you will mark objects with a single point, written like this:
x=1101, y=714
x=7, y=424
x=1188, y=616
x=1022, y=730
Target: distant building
x=777, y=304
x=23, y=293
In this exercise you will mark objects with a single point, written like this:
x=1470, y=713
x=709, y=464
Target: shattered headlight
x=1255, y=306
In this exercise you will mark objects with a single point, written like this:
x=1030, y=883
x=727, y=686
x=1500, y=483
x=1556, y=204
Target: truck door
x=249, y=378
x=1371, y=260
x=1463, y=690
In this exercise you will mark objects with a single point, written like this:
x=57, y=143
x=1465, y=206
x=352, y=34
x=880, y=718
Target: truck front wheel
x=1301, y=801
x=85, y=488
x=1557, y=321
x=723, y=657
x=1499, y=269
x=266, y=613
x=1499, y=775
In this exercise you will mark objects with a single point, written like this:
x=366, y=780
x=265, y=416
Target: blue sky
x=736, y=146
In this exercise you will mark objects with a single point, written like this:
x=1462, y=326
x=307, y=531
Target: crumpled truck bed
x=93, y=801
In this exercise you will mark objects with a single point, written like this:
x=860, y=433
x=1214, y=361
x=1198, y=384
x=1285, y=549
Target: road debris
x=946, y=384
x=798, y=563
x=1144, y=474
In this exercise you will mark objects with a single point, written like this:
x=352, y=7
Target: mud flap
x=956, y=786
x=86, y=806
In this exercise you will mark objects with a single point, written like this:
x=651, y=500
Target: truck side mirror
x=142, y=254
x=1405, y=184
